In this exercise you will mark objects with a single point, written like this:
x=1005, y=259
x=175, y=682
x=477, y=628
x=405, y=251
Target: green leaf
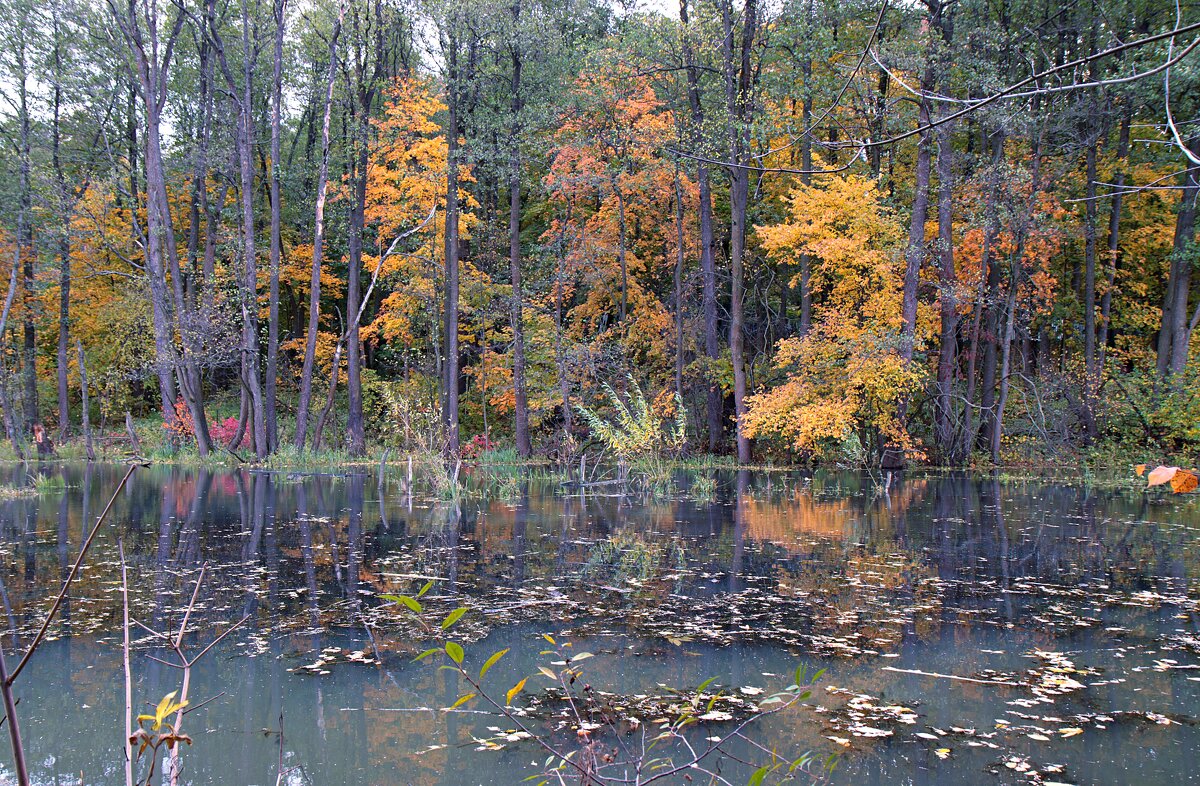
x=411, y=603
x=581, y=656
x=490, y=662
x=463, y=699
x=705, y=684
x=428, y=586
x=425, y=654
x=513, y=691
x=455, y=652
x=759, y=775
x=453, y=617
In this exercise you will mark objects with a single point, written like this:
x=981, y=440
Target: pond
x=972, y=628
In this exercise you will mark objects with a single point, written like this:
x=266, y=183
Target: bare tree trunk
x=314, y=295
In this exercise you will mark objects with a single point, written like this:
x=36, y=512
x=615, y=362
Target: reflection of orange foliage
x=782, y=523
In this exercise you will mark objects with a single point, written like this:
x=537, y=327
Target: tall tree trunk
x=806, y=165
x=679, y=259
x=249, y=285
x=84, y=418
x=11, y=428
x=517, y=316
x=314, y=294
x=708, y=274
x=738, y=96
x=914, y=254
x=980, y=310
x=64, y=240
x=355, y=435
x=272, y=375
x=156, y=229
x=1090, y=363
x=25, y=244
x=450, y=379
x=948, y=283
x=622, y=242
x=149, y=40
x=560, y=355
x=1181, y=262
x=1010, y=310
x=1114, y=236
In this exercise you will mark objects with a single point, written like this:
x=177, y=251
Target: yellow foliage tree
x=845, y=378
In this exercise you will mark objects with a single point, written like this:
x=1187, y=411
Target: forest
x=874, y=234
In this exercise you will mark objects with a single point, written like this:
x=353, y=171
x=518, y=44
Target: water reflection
x=951, y=574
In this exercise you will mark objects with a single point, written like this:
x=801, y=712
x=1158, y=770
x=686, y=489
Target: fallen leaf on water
x=1160, y=475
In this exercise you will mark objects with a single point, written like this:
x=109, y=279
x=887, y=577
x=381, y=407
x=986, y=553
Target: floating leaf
x=513, y=691
x=1160, y=475
x=1184, y=481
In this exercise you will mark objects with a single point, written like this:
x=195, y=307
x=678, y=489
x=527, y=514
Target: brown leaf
x=1160, y=475
x=1184, y=481
x=1140, y=469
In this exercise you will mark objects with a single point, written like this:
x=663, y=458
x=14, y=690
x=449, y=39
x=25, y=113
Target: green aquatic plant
x=49, y=484
x=703, y=488
x=636, y=431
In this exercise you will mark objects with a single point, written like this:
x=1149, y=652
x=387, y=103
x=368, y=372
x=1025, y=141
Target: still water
x=973, y=629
